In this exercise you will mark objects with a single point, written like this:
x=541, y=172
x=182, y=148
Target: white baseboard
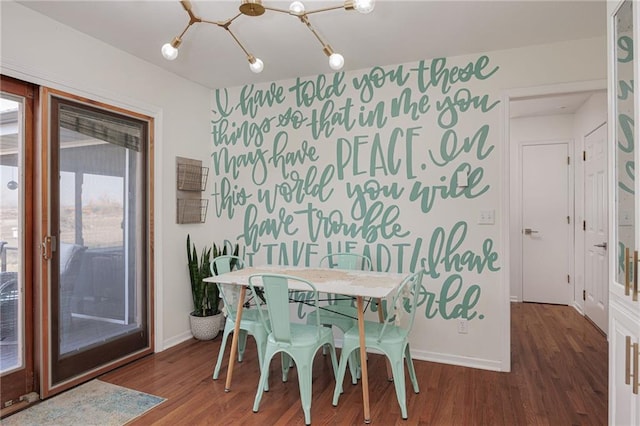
x=176, y=340
x=578, y=308
x=463, y=361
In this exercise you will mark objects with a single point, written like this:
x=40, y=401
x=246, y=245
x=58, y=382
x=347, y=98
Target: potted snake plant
x=206, y=319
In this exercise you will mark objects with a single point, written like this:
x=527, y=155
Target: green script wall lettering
x=377, y=78
x=444, y=252
x=437, y=74
x=367, y=162
x=385, y=157
x=449, y=149
x=320, y=89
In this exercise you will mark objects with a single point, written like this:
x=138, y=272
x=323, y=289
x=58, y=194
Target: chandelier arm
x=324, y=9
x=184, y=31
x=288, y=12
x=325, y=46
x=275, y=9
x=249, y=55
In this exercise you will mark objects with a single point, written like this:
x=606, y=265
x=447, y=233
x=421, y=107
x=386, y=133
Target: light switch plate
x=487, y=217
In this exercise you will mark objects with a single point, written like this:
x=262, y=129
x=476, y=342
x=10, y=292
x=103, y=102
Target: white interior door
x=596, y=232
x=545, y=209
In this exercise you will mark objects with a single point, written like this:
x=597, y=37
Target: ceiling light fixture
x=256, y=8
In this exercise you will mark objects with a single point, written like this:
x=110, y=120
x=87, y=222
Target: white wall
x=182, y=109
x=416, y=234
x=37, y=49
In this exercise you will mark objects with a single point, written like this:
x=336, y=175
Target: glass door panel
x=99, y=264
x=625, y=149
x=11, y=212
x=16, y=319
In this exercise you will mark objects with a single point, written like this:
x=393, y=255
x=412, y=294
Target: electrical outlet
x=463, y=326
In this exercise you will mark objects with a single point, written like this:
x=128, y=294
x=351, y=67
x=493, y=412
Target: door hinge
x=584, y=294
x=568, y=278
x=568, y=160
x=568, y=220
x=584, y=225
x=584, y=155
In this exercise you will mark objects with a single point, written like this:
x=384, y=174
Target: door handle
x=603, y=245
x=48, y=247
x=529, y=231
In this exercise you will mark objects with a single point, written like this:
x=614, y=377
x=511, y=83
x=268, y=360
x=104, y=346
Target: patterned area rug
x=94, y=403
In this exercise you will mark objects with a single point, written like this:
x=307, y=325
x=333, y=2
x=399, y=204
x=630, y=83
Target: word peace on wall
x=383, y=163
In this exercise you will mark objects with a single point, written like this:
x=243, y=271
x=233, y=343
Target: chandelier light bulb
x=364, y=6
x=256, y=66
x=336, y=61
x=296, y=8
x=169, y=52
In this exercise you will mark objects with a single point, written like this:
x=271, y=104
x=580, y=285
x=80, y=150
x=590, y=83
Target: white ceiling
x=395, y=32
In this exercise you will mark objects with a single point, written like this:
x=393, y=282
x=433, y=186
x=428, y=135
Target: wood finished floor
x=558, y=377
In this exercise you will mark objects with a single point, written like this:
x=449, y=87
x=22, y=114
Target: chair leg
x=324, y=347
x=287, y=363
x=242, y=344
x=223, y=345
x=397, y=367
x=304, y=383
x=342, y=369
x=411, y=369
x=353, y=367
x=334, y=358
x=264, y=375
x=261, y=344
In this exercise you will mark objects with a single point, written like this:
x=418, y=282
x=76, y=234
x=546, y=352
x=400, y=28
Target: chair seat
x=372, y=330
x=250, y=319
x=304, y=334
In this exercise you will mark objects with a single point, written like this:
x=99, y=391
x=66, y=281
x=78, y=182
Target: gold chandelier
x=256, y=8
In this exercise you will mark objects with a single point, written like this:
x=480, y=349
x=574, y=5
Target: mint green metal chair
x=390, y=337
x=297, y=342
x=343, y=313
x=250, y=323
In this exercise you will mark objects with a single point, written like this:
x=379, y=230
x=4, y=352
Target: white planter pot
x=205, y=328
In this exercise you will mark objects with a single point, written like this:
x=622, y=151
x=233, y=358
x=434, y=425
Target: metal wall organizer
x=191, y=180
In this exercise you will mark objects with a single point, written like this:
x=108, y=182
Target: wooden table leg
x=363, y=361
x=381, y=320
x=234, y=339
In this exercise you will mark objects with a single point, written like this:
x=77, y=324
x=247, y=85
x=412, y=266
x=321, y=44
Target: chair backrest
x=346, y=261
x=402, y=311
x=230, y=293
x=276, y=291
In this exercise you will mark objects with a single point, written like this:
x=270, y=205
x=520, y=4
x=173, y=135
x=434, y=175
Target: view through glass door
x=16, y=319
x=99, y=237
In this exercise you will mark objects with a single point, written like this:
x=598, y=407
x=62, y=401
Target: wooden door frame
x=9, y=390
x=47, y=387
x=506, y=201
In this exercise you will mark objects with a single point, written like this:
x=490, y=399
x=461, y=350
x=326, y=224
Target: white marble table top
x=337, y=281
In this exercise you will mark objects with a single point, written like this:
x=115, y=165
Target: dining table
x=363, y=285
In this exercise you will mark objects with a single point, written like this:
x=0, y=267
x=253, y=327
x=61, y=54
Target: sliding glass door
x=98, y=245
x=16, y=279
